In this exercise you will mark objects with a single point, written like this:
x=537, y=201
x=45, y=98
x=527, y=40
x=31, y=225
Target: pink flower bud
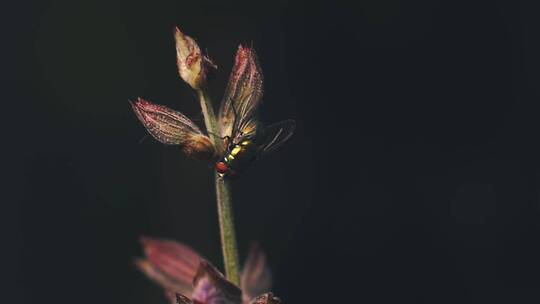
x=187, y=278
x=174, y=128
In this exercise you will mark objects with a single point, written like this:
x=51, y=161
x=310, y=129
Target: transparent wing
x=238, y=111
x=275, y=135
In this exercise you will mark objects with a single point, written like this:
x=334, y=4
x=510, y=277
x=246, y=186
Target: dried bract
x=193, y=66
x=173, y=128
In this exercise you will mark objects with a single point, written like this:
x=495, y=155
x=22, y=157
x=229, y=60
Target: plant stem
x=223, y=196
x=209, y=118
x=226, y=226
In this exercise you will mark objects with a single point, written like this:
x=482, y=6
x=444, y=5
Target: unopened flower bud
x=174, y=128
x=199, y=147
x=193, y=66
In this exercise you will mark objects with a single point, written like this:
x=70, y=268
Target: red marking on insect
x=221, y=167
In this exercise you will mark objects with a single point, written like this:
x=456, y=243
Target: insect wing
x=238, y=111
x=276, y=135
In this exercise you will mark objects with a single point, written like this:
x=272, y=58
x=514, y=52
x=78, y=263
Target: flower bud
x=193, y=66
x=187, y=278
x=199, y=147
x=174, y=128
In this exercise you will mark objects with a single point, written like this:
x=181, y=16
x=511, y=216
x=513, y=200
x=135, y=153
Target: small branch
x=223, y=196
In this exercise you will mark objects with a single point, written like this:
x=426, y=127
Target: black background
x=412, y=177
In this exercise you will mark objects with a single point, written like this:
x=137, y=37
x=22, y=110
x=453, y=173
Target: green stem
x=209, y=118
x=223, y=196
x=226, y=226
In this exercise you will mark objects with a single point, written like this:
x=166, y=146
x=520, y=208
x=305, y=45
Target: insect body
x=246, y=150
x=237, y=158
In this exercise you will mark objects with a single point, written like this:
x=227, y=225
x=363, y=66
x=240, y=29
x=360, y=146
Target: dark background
x=412, y=177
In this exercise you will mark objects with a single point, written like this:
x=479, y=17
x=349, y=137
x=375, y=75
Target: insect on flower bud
x=193, y=66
